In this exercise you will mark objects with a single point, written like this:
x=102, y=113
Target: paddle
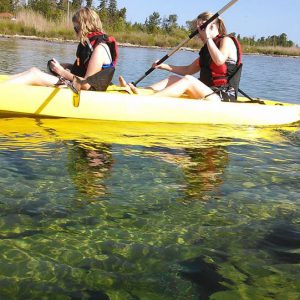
x=68, y=83
x=98, y=81
x=216, y=15
x=75, y=92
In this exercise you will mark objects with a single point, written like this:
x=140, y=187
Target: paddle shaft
x=69, y=84
x=203, y=26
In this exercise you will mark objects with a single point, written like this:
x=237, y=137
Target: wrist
x=66, y=75
x=208, y=39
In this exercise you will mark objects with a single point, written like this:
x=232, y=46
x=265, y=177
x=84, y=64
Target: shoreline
x=129, y=45
x=59, y=40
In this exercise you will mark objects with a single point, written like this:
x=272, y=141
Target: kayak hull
x=119, y=106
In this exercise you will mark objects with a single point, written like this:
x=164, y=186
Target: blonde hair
x=88, y=20
x=218, y=21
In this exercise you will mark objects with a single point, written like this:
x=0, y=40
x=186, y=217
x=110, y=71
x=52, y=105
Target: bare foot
x=133, y=88
x=129, y=86
x=122, y=81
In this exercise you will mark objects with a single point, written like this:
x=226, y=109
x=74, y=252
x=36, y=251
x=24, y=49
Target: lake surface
x=108, y=210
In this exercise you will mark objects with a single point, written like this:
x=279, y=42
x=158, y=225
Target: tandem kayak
x=119, y=106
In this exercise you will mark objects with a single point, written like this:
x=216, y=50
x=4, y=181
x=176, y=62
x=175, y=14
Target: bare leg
x=33, y=76
x=191, y=86
x=158, y=86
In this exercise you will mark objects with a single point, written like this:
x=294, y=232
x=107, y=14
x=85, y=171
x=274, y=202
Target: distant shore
x=60, y=40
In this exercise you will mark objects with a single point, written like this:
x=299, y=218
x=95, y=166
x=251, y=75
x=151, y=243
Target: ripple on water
x=114, y=211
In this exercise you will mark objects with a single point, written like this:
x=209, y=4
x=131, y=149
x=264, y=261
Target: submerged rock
x=205, y=275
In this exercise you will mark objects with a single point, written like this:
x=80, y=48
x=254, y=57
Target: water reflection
x=131, y=210
x=88, y=165
x=207, y=165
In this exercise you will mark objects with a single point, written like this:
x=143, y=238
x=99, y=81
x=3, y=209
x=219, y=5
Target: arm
x=67, y=66
x=227, y=50
x=98, y=58
x=193, y=68
x=60, y=69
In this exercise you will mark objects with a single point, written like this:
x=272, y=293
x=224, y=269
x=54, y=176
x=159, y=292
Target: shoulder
x=227, y=40
x=228, y=43
x=101, y=48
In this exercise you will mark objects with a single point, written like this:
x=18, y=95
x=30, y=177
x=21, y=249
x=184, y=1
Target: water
x=107, y=210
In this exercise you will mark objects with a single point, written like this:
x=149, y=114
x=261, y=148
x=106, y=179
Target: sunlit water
x=107, y=210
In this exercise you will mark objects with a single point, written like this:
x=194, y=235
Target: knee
x=189, y=78
x=173, y=78
x=34, y=70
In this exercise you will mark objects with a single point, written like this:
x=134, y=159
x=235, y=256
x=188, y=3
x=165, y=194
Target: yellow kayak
x=119, y=106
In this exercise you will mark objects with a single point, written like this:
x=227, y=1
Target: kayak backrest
x=234, y=79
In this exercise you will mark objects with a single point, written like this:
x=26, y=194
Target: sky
x=246, y=17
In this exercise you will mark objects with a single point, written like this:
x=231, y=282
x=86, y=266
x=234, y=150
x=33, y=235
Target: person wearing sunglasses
x=219, y=64
x=96, y=58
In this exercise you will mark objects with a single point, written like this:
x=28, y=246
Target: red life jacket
x=213, y=75
x=84, y=51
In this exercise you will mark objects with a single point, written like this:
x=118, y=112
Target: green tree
x=6, y=6
x=153, y=22
x=112, y=8
x=122, y=13
x=41, y=6
x=170, y=23
x=9, y=5
x=191, y=25
x=89, y=3
x=103, y=12
x=283, y=39
x=76, y=4
x=102, y=4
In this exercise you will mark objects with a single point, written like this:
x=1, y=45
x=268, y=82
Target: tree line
x=115, y=19
x=274, y=40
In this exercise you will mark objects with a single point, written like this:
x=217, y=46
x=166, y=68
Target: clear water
x=106, y=210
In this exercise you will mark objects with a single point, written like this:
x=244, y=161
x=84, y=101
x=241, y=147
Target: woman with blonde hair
x=96, y=55
x=219, y=63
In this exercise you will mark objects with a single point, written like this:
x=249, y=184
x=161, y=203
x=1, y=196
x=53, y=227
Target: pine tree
x=89, y=3
x=102, y=5
x=112, y=8
x=76, y=4
x=103, y=10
